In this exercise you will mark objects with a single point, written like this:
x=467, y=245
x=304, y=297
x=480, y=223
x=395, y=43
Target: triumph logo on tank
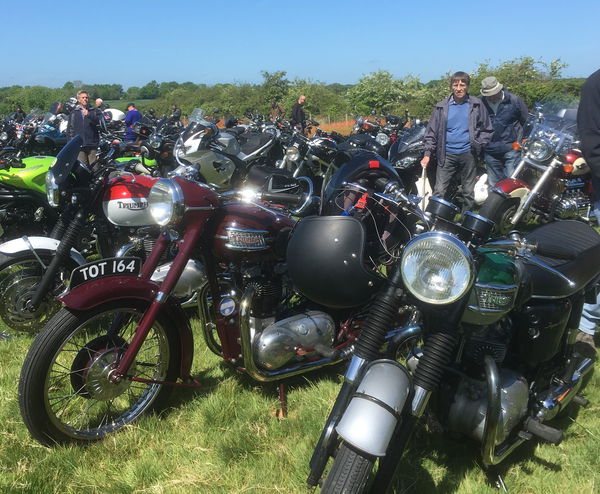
x=132, y=205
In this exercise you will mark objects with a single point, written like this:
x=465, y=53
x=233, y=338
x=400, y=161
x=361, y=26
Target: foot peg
x=544, y=432
x=580, y=401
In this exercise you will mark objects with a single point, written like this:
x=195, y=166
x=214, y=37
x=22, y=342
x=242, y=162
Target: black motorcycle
x=487, y=352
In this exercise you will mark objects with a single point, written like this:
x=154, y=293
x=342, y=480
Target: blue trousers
x=501, y=166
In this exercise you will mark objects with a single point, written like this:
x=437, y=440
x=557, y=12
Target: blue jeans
x=590, y=317
x=502, y=166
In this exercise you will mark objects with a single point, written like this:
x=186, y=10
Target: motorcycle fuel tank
x=32, y=176
x=246, y=231
x=125, y=200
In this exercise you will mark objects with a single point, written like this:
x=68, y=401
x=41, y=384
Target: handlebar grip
x=281, y=196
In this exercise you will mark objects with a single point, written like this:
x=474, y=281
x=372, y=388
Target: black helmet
x=325, y=258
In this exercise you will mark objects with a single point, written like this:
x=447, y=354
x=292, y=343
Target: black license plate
x=114, y=266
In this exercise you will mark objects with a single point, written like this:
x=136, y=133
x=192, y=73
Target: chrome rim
x=80, y=398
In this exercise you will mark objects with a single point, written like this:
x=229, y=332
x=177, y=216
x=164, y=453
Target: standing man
x=131, y=118
x=508, y=114
x=457, y=132
x=100, y=104
x=83, y=121
x=175, y=114
x=588, y=124
x=298, y=115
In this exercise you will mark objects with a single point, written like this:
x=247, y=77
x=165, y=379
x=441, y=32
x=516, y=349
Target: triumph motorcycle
x=487, y=355
x=552, y=180
x=122, y=341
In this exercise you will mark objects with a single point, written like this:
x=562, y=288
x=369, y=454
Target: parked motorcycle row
x=298, y=253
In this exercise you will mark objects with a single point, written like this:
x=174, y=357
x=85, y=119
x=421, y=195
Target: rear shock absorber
x=379, y=319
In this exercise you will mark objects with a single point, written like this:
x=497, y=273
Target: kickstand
x=281, y=413
x=495, y=479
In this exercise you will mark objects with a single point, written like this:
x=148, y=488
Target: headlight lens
x=540, y=149
x=292, y=153
x=3, y=136
x=382, y=139
x=165, y=202
x=154, y=142
x=52, y=190
x=437, y=268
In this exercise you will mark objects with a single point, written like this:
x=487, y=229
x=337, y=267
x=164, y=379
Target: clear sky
x=210, y=41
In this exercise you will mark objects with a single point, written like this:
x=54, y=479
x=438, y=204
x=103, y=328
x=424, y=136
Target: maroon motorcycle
x=122, y=341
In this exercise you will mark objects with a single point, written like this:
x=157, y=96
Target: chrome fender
x=29, y=244
x=374, y=410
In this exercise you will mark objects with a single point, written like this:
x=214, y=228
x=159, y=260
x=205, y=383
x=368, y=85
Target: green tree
x=378, y=92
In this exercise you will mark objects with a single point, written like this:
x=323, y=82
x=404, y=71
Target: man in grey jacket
x=457, y=132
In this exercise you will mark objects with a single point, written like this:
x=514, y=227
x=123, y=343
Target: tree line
x=378, y=92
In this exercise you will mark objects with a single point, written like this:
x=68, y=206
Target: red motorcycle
x=123, y=341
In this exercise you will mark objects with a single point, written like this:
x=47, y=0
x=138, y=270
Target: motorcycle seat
x=572, y=248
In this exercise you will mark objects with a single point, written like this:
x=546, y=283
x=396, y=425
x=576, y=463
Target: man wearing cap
x=131, y=118
x=508, y=114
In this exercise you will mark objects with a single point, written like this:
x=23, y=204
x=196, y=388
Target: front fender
x=103, y=290
x=27, y=244
x=513, y=187
x=374, y=410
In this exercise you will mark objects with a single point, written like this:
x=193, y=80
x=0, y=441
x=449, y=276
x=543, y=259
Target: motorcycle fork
x=526, y=205
x=187, y=244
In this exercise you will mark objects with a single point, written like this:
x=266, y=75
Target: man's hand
x=425, y=161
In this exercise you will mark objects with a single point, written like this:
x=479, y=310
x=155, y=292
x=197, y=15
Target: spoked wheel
x=65, y=391
x=19, y=277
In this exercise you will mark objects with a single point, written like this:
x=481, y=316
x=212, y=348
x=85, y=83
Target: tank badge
x=227, y=306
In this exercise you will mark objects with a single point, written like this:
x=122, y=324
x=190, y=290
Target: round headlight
x=382, y=139
x=292, y=153
x=437, y=268
x=540, y=149
x=165, y=202
x=3, y=136
x=52, y=189
x=154, y=142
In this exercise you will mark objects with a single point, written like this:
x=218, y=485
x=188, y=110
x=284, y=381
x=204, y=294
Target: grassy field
x=225, y=438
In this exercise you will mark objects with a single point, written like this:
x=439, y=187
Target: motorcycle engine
x=293, y=338
x=468, y=411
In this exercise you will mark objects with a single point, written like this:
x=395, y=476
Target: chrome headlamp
x=153, y=142
x=382, y=139
x=165, y=202
x=292, y=153
x=437, y=268
x=52, y=189
x=3, y=136
x=540, y=149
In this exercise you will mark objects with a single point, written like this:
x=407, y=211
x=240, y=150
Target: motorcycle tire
x=65, y=394
x=500, y=210
x=349, y=473
x=19, y=276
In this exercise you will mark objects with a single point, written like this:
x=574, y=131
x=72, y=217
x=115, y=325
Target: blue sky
x=132, y=43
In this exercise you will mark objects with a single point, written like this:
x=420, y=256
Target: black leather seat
x=571, y=247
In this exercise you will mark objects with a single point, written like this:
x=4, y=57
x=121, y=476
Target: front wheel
x=500, y=210
x=65, y=391
x=19, y=277
x=349, y=473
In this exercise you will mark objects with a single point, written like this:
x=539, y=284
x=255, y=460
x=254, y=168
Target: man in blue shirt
x=457, y=132
x=133, y=116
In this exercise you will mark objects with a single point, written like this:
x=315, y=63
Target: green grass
x=225, y=438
